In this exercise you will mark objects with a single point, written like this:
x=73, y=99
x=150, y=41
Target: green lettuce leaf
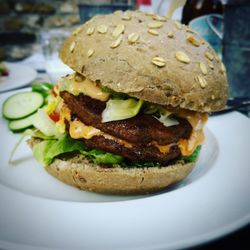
x=149, y=164
x=40, y=151
x=46, y=151
x=38, y=134
x=99, y=156
x=193, y=156
x=43, y=88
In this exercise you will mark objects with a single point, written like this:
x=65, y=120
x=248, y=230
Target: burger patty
x=141, y=129
x=136, y=152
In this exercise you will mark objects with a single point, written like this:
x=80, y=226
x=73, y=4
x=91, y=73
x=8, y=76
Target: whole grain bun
x=148, y=57
x=83, y=174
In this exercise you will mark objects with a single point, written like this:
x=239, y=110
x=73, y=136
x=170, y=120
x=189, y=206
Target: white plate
x=39, y=212
x=19, y=75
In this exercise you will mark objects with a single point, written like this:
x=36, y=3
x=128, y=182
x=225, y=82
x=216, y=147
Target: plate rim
x=18, y=86
x=229, y=228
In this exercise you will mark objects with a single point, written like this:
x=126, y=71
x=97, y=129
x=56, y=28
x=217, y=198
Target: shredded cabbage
x=52, y=104
x=166, y=120
x=42, y=122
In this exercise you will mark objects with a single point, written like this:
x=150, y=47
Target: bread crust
x=199, y=84
x=81, y=173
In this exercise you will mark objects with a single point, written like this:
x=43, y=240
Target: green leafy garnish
x=41, y=151
x=42, y=122
x=98, y=156
x=38, y=134
x=43, y=88
x=193, y=156
x=46, y=151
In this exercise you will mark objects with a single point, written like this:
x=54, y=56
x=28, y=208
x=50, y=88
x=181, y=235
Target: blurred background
x=32, y=31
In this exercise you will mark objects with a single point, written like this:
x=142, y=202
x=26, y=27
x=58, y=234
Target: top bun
x=149, y=57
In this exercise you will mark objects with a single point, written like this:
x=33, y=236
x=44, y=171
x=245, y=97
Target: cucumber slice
x=22, y=104
x=21, y=124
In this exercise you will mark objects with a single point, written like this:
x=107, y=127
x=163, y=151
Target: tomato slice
x=54, y=116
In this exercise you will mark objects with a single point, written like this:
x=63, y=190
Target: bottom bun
x=79, y=172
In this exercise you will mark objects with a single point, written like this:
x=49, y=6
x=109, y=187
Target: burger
x=130, y=119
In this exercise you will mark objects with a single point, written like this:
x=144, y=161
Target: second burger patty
x=140, y=131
